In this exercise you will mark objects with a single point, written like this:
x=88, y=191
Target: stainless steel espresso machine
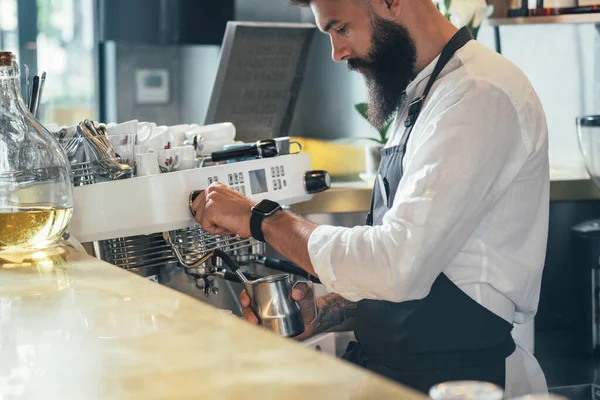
x=144, y=225
x=137, y=223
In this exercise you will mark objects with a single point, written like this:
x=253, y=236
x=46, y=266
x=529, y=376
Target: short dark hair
x=300, y=3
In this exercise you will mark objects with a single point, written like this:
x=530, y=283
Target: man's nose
x=340, y=51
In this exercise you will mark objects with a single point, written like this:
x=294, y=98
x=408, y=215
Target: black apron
x=446, y=336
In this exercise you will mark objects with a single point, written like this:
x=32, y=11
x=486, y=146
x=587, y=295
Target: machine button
x=316, y=181
x=279, y=184
x=210, y=180
x=272, y=172
x=282, y=170
x=244, y=190
x=230, y=178
x=275, y=184
x=241, y=177
x=284, y=183
x=236, y=179
x=215, y=179
x=277, y=171
x=237, y=189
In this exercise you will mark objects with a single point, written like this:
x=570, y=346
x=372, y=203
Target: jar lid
x=590, y=120
x=6, y=58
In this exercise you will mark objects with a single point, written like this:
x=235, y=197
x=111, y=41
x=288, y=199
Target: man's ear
x=390, y=8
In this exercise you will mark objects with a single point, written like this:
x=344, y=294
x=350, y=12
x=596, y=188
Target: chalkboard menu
x=260, y=72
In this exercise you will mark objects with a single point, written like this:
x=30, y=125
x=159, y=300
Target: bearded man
x=454, y=246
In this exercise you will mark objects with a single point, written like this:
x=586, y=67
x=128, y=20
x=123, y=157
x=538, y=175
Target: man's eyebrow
x=328, y=25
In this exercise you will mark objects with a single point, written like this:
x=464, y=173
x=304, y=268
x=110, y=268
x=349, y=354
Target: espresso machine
x=144, y=224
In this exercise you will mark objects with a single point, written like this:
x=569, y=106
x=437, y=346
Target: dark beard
x=388, y=70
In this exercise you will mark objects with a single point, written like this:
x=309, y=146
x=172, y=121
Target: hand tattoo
x=336, y=314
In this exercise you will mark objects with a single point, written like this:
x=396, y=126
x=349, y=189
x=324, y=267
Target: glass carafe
x=36, y=194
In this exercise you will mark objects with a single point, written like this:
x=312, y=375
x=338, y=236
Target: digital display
x=258, y=181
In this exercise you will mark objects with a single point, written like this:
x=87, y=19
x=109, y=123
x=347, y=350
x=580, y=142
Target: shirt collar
x=421, y=76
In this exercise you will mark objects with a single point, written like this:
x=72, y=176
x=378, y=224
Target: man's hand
x=223, y=211
x=304, y=296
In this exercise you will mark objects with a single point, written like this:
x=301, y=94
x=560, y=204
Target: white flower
x=463, y=11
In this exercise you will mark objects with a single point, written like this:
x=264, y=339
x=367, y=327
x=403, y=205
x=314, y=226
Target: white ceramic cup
x=168, y=159
x=144, y=132
x=142, y=149
x=124, y=128
x=222, y=132
x=188, y=163
x=180, y=127
x=177, y=138
x=160, y=139
x=147, y=163
x=187, y=157
x=123, y=134
x=185, y=152
x=177, y=133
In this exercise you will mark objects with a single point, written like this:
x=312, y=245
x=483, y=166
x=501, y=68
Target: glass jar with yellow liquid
x=36, y=194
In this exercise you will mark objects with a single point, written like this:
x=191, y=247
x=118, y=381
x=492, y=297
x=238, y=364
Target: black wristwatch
x=260, y=211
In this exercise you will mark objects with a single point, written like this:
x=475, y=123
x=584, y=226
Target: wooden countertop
x=74, y=327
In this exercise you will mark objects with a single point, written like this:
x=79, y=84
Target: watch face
x=266, y=207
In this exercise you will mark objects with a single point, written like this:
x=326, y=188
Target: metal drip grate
x=146, y=251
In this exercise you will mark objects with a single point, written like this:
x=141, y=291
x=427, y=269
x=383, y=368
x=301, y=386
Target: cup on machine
x=187, y=157
x=168, y=160
x=147, y=163
x=160, y=139
x=145, y=131
x=123, y=138
x=177, y=134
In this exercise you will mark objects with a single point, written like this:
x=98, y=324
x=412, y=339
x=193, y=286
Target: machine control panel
x=255, y=181
x=160, y=202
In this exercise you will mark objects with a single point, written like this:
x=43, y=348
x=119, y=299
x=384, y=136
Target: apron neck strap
x=462, y=37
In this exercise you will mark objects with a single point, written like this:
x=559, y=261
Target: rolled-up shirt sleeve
x=463, y=153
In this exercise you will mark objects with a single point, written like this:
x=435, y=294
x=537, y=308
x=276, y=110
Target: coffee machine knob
x=316, y=181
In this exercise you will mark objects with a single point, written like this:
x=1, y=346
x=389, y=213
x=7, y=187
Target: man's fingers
x=199, y=201
x=249, y=315
x=300, y=291
x=221, y=231
x=244, y=299
x=198, y=207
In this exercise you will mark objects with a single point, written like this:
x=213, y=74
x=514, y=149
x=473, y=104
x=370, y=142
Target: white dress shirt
x=473, y=202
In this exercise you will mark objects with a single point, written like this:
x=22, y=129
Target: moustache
x=358, y=65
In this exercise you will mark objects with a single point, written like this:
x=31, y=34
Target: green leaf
x=447, y=4
x=376, y=140
x=362, y=109
x=383, y=132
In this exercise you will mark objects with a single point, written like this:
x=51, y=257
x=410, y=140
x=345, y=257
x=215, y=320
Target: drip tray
x=578, y=392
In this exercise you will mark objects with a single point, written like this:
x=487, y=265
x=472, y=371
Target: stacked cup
x=162, y=149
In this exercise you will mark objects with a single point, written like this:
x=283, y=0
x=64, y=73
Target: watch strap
x=256, y=220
